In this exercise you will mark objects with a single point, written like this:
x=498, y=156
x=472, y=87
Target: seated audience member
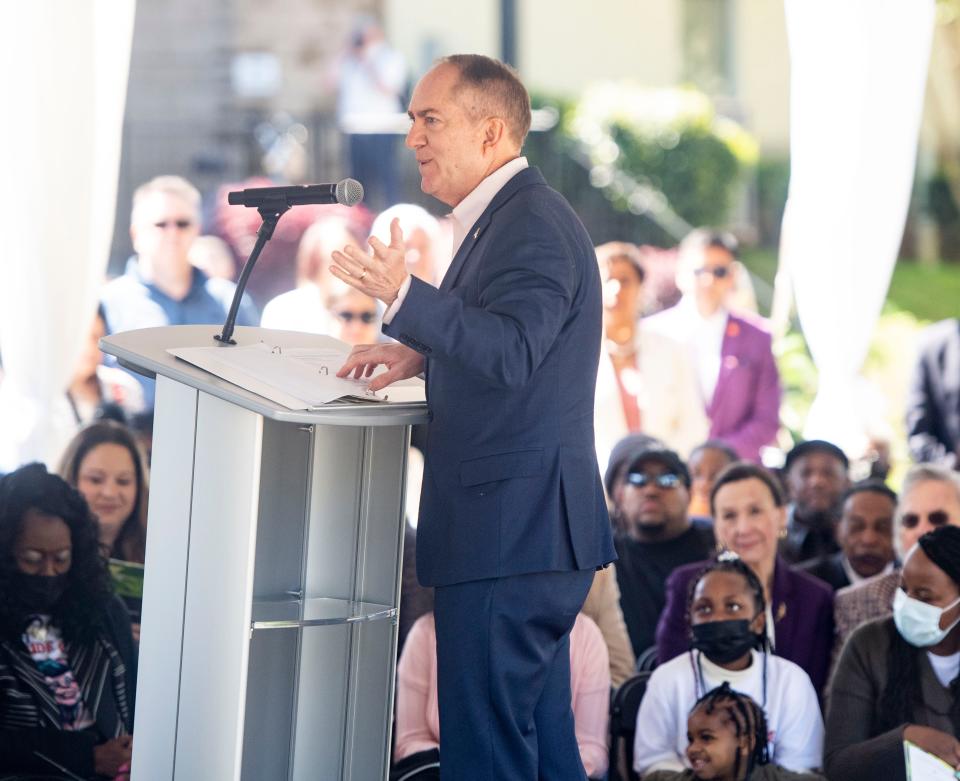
x=160, y=286
x=865, y=536
x=656, y=537
x=213, y=257
x=645, y=381
x=305, y=307
x=729, y=646
x=418, y=722
x=67, y=661
x=603, y=606
x=423, y=237
x=93, y=384
x=897, y=677
x=621, y=457
x=816, y=477
x=104, y=463
x=356, y=316
x=749, y=517
x=930, y=497
x=736, y=374
x=705, y=463
x=728, y=732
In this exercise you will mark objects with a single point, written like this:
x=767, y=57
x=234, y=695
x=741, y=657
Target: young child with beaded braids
x=726, y=617
x=727, y=734
x=898, y=678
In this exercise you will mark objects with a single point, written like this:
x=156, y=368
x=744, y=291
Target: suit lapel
x=524, y=178
x=466, y=247
x=780, y=596
x=729, y=348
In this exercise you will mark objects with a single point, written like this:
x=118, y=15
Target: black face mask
x=39, y=593
x=723, y=641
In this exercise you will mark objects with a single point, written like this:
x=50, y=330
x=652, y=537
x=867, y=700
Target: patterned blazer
x=857, y=604
x=105, y=670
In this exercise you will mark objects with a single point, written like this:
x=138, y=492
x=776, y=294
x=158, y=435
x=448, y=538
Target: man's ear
x=494, y=132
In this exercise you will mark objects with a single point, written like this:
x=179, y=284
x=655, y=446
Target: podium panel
x=272, y=578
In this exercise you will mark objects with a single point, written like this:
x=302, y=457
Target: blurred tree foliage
x=662, y=155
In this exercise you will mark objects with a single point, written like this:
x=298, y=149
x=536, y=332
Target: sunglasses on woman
x=719, y=272
x=365, y=317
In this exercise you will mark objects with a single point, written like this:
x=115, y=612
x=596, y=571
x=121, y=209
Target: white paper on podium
x=294, y=377
x=924, y=766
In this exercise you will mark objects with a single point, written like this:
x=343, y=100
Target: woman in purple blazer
x=749, y=518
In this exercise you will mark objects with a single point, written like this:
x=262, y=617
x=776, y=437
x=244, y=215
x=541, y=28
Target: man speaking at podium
x=512, y=516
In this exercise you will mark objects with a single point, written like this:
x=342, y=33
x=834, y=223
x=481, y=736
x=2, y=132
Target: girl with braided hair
x=728, y=742
x=898, y=678
x=726, y=620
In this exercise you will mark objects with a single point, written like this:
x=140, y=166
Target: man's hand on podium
x=401, y=362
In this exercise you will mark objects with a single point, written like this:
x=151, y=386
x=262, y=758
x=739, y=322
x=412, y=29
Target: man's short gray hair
x=925, y=473
x=176, y=186
x=497, y=91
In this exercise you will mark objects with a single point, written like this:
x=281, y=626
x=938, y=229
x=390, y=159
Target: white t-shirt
x=301, y=309
x=946, y=668
x=794, y=721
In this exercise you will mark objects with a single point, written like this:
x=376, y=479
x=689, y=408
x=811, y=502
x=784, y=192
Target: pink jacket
x=418, y=718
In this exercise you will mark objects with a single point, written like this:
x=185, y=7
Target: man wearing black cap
x=816, y=477
x=654, y=536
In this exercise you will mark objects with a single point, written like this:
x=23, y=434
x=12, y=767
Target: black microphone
x=348, y=192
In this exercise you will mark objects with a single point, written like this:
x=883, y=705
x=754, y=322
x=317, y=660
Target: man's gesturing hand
x=400, y=360
x=379, y=275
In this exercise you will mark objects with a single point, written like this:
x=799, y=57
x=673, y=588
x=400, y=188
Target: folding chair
x=623, y=726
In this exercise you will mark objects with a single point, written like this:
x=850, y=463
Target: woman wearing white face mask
x=898, y=678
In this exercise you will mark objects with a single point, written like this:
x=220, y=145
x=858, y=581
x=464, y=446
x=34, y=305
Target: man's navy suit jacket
x=511, y=340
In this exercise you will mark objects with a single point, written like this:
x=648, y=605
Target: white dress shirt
x=856, y=578
x=707, y=344
x=465, y=214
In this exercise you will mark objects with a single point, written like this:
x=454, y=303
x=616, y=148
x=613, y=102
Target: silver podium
x=272, y=576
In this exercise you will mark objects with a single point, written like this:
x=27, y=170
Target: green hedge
x=670, y=142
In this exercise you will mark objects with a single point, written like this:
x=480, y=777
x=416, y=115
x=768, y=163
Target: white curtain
x=64, y=66
x=858, y=69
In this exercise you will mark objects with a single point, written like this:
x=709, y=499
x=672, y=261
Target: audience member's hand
x=109, y=757
x=936, y=742
x=380, y=275
x=135, y=629
x=400, y=360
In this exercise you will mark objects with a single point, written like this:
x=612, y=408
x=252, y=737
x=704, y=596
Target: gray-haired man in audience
x=930, y=498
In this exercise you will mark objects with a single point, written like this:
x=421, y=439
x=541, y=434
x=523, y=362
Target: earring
x=783, y=533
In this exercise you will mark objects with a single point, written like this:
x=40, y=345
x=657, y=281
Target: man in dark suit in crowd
x=933, y=404
x=816, y=476
x=865, y=536
x=512, y=521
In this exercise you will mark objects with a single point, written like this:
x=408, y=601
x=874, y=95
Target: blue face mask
x=919, y=623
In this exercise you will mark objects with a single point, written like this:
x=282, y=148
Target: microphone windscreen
x=349, y=192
